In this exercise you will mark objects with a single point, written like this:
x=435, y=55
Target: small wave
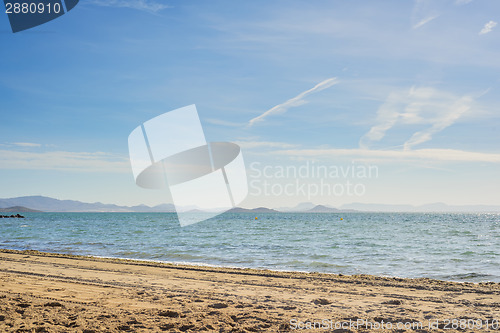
x=320, y=264
x=318, y=256
x=468, y=276
x=181, y=256
x=293, y=262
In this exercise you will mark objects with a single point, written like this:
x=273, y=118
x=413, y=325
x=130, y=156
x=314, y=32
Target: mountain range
x=18, y=209
x=255, y=210
x=46, y=204
x=427, y=208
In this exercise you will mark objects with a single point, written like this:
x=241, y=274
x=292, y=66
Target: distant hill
x=323, y=209
x=254, y=210
x=309, y=207
x=301, y=207
x=47, y=204
x=430, y=208
x=18, y=209
x=163, y=208
x=366, y=207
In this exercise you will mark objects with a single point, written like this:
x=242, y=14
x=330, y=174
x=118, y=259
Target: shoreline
x=216, y=267
x=235, y=270
x=49, y=292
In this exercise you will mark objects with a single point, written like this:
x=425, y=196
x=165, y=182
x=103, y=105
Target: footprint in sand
x=218, y=305
x=169, y=314
x=321, y=301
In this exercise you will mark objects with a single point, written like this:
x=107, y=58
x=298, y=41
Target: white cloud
x=26, y=144
x=145, y=5
x=261, y=144
x=295, y=101
x=445, y=120
x=64, y=161
x=425, y=11
x=488, y=27
x=418, y=106
x=424, y=21
x=451, y=155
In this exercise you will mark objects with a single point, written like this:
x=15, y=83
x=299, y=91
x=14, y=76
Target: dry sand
x=41, y=292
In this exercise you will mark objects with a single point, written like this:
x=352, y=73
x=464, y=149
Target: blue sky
x=411, y=87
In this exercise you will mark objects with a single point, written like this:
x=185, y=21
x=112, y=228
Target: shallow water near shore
x=454, y=247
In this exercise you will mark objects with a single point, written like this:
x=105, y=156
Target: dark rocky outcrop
x=17, y=216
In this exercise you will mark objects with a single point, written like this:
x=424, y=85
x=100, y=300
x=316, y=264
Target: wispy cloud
x=295, y=101
x=145, y=5
x=64, y=161
x=443, y=121
x=26, y=144
x=424, y=21
x=424, y=11
x=264, y=144
x=418, y=106
x=450, y=155
x=488, y=27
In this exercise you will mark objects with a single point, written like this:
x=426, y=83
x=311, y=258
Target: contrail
x=295, y=101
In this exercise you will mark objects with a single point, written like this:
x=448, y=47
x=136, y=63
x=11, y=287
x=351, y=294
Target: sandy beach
x=42, y=292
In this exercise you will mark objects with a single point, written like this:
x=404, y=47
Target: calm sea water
x=457, y=247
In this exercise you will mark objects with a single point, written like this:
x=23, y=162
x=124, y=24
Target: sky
x=331, y=102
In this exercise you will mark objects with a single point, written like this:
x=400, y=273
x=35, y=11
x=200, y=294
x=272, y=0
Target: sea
x=445, y=246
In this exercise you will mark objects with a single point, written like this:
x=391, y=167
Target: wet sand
x=42, y=292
